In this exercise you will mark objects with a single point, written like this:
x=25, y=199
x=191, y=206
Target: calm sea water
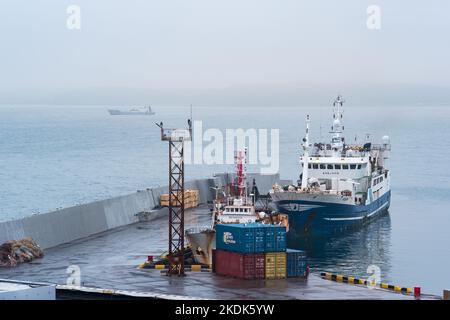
x=54, y=157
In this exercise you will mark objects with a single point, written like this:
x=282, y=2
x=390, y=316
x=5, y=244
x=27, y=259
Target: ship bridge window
x=359, y=166
x=330, y=166
x=309, y=165
x=315, y=166
x=345, y=166
x=377, y=180
x=353, y=166
x=322, y=166
x=337, y=166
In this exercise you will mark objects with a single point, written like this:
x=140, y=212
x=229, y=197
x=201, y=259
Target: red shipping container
x=260, y=266
x=213, y=260
x=238, y=265
x=222, y=262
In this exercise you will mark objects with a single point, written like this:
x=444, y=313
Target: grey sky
x=211, y=50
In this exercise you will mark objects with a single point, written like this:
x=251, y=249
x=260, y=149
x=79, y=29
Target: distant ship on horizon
x=140, y=111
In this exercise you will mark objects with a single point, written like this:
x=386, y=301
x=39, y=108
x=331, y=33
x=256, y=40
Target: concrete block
x=263, y=182
x=62, y=226
x=11, y=230
x=206, y=193
x=156, y=192
x=223, y=178
x=153, y=214
x=120, y=211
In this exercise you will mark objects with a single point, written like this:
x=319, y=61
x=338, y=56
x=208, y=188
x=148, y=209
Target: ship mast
x=305, y=146
x=241, y=173
x=337, y=142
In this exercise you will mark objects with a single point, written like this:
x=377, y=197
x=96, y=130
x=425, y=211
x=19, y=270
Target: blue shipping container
x=260, y=238
x=251, y=238
x=280, y=238
x=243, y=238
x=296, y=263
x=275, y=238
x=270, y=239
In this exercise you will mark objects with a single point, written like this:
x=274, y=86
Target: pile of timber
x=190, y=199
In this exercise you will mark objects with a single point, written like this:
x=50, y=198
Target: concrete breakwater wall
x=73, y=223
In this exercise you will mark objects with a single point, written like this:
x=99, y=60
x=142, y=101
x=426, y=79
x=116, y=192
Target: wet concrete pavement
x=109, y=260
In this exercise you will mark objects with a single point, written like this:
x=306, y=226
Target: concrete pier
x=110, y=260
x=66, y=225
x=107, y=240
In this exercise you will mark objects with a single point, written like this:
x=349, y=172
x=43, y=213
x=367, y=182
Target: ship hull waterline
x=308, y=218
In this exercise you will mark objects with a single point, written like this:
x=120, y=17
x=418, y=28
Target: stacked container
x=242, y=238
x=275, y=238
x=251, y=238
x=250, y=251
x=275, y=265
x=275, y=248
x=296, y=263
x=240, y=250
x=238, y=265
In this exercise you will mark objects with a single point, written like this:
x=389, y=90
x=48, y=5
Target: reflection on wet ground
x=110, y=259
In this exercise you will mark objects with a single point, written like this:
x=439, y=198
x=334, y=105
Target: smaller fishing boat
x=234, y=207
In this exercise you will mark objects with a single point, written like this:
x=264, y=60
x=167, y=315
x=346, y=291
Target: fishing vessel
x=341, y=185
x=146, y=111
x=239, y=208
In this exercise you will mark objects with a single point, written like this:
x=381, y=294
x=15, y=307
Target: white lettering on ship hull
x=295, y=207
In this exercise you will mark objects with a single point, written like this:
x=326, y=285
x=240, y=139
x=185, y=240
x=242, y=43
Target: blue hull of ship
x=309, y=218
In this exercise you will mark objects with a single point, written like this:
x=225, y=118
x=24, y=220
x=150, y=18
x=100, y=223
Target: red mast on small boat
x=241, y=160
